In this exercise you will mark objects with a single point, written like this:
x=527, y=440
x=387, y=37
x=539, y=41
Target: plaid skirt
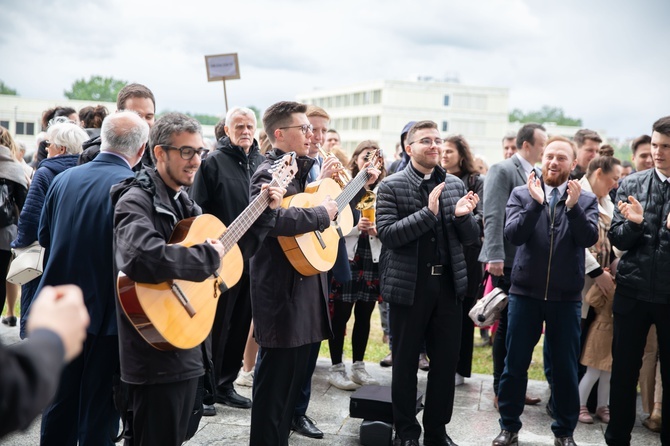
x=364, y=283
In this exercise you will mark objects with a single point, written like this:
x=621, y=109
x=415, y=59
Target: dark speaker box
x=376, y=433
x=373, y=403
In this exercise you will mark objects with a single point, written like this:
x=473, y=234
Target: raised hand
x=276, y=195
x=373, y=174
x=574, y=191
x=331, y=207
x=535, y=188
x=434, y=199
x=466, y=204
x=632, y=210
x=331, y=166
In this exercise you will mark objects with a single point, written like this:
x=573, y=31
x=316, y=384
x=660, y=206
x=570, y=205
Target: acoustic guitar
x=179, y=314
x=315, y=252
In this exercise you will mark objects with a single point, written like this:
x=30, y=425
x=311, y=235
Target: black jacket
x=549, y=260
x=143, y=221
x=289, y=309
x=402, y=220
x=643, y=270
x=221, y=186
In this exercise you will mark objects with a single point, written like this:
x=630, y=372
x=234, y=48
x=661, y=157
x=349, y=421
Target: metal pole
x=225, y=95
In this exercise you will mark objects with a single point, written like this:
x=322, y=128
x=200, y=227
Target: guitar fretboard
x=351, y=189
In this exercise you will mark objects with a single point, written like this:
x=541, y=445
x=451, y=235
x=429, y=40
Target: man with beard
x=551, y=221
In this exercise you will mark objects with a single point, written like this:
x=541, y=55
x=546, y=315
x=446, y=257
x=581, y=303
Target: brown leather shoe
x=506, y=438
x=532, y=400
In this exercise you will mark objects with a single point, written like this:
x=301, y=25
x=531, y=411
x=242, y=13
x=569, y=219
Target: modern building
x=379, y=110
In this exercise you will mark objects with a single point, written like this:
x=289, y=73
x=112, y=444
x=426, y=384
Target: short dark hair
x=167, y=126
x=626, y=163
x=467, y=159
x=332, y=131
x=420, y=125
x=603, y=162
x=606, y=150
x=637, y=142
x=584, y=135
x=279, y=114
x=133, y=91
x=662, y=126
x=92, y=117
x=55, y=112
x=527, y=134
x=219, y=129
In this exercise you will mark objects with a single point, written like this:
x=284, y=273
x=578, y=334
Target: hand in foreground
x=216, y=244
x=331, y=207
x=364, y=224
x=276, y=194
x=466, y=204
x=434, y=199
x=632, y=210
x=373, y=173
x=496, y=268
x=574, y=191
x=535, y=188
x=331, y=166
x=605, y=282
x=61, y=309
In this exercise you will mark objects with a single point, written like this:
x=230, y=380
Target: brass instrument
x=342, y=178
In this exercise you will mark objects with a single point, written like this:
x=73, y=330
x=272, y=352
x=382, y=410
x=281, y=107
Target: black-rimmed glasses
x=303, y=128
x=187, y=152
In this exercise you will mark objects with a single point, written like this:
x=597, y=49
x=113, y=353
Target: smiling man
x=588, y=142
x=551, y=221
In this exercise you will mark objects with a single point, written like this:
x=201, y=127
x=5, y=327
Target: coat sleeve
x=496, y=192
x=521, y=217
x=144, y=255
x=291, y=221
x=393, y=231
x=583, y=221
x=199, y=191
x=29, y=219
x=467, y=228
x=29, y=378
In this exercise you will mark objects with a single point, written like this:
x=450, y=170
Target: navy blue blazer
x=76, y=228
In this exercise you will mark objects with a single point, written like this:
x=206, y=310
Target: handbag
x=487, y=309
x=27, y=264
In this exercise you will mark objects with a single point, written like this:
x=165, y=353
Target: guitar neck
x=243, y=222
x=351, y=189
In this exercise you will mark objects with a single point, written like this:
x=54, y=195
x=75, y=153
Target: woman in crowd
x=360, y=293
x=13, y=190
x=63, y=147
x=457, y=159
x=91, y=119
x=601, y=176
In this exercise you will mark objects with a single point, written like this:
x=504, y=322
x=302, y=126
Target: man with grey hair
x=509, y=145
x=163, y=383
x=76, y=230
x=221, y=188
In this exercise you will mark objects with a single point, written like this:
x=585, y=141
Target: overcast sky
x=603, y=61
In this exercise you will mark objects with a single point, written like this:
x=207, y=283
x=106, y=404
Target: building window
x=445, y=126
x=4, y=124
x=446, y=100
x=374, y=122
x=347, y=100
x=357, y=98
x=338, y=101
x=365, y=123
x=355, y=123
x=377, y=97
x=25, y=128
x=345, y=124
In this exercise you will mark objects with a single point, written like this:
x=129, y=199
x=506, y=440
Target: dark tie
x=553, y=201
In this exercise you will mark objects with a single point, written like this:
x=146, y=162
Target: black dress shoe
x=9, y=320
x=208, y=410
x=564, y=441
x=231, y=398
x=304, y=426
x=506, y=438
x=409, y=442
x=443, y=440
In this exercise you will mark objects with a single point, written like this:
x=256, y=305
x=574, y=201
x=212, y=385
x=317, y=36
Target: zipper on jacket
x=551, y=252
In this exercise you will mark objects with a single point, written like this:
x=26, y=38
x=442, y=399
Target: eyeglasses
x=303, y=128
x=428, y=142
x=188, y=152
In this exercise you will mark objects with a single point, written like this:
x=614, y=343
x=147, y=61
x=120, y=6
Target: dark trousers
x=525, y=318
x=499, y=350
x=161, y=413
x=302, y=402
x=464, y=366
x=230, y=332
x=83, y=410
x=632, y=320
x=280, y=374
x=360, y=334
x=436, y=317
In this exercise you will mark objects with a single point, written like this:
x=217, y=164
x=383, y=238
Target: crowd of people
x=578, y=239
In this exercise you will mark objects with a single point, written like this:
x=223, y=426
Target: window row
x=357, y=123
x=348, y=100
x=22, y=128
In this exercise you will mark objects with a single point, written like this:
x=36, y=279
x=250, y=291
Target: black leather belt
x=437, y=270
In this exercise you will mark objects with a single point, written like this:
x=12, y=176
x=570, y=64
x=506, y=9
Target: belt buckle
x=436, y=270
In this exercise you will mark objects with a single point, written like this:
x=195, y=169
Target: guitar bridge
x=182, y=299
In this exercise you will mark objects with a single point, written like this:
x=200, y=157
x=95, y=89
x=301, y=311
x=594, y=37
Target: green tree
x=97, y=88
x=201, y=118
x=545, y=114
x=257, y=112
x=4, y=89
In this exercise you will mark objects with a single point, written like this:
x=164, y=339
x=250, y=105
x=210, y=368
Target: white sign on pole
x=222, y=67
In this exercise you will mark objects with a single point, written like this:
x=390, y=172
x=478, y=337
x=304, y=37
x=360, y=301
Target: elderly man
x=509, y=145
x=551, y=221
x=81, y=253
x=221, y=188
x=423, y=218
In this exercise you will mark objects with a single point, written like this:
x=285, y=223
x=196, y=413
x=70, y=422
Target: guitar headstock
x=284, y=169
x=375, y=158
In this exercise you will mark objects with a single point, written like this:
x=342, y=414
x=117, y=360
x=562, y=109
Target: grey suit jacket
x=501, y=179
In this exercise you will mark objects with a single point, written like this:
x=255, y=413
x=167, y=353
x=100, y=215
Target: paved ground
x=475, y=421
